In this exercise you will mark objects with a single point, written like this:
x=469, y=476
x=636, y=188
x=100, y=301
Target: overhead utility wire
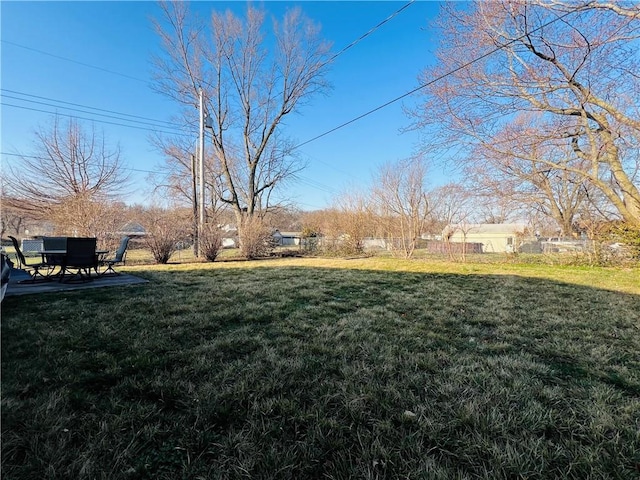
x=305, y=180
x=344, y=49
x=315, y=184
x=353, y=43
x=362, y=37
x=75, y=61
x=320, y=186
x=420, y=87
x=85, y=111
x=89, y=107
x=365, y=35
x=44, y=158
x=96, y=120
x=356, y=41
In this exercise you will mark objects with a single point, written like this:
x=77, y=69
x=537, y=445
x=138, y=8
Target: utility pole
x=194, y=198
x=201, y=172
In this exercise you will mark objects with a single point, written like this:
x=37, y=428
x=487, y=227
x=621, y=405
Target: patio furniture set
x=67, y=259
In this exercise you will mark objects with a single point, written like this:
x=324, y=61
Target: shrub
x=161, y=248
x=211, y=242
x=164, y=231
x=310, y=239
x=256, y=238
x=343, y=246
x=617, y=243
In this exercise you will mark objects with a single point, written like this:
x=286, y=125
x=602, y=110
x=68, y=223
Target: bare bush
x=256, y=238
x=164, y=230
x=616, y=243
x=210, y=242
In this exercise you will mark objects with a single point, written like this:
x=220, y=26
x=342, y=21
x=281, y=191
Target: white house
x=494, y=237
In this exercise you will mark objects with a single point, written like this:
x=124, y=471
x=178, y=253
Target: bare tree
x=248, y=90
x=399, y=200
x=71, y=180
x=519, y=173
x=451, y=204
x=492, y=206
x=451, y=211
x=13, y=220
x=571, y=67
x=351, y=222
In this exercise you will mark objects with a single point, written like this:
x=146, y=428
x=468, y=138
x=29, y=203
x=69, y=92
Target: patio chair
x=119, y=257
x=81, y=258
x=5, y=273
x=34, y=269
x=54, y=243
x=31, y=246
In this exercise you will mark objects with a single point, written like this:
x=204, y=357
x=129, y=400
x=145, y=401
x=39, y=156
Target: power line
x=344, y=49
x=420, y=87
x=45, y=158
x=356, y=41
x=84, y=111
x=302, y=179
x=75, y=61
x=365, y=35
x=88, y=65
x=315, y=184
x=96, y=120
x=440, y=77
x=85, y=106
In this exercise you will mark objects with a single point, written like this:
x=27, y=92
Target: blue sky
x=98, y=55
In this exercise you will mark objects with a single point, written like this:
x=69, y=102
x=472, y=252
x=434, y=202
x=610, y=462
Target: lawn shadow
x=312, y=372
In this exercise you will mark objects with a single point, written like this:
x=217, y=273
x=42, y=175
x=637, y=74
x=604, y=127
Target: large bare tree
x=251, y=82
x=569, y=68
x=401, y=204
x=519, y=172
x=72, y=179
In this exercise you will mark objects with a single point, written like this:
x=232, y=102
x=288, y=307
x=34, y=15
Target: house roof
x=486, y=228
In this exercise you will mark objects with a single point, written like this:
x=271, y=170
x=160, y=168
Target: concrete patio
x=16, y=287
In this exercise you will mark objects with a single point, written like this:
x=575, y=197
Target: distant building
x=494, y=237
x=132, y=230
x=287, y=238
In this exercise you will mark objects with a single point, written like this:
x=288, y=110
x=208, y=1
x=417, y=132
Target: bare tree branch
x=249, y=90
x=568, y=75
x=71, y=179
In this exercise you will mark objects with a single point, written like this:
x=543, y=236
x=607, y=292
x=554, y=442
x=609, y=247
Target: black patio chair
x=79, y=260
x=119, y=257
x=54, y=243
x=34, y=269
x=5, y=273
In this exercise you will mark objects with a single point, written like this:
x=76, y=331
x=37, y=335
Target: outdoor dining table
x=59, y=254
x=44, y=253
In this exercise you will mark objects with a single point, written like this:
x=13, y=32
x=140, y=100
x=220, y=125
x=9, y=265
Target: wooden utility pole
x=194, y=198
x=201, y=172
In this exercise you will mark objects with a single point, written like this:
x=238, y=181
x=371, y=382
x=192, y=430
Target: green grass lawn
x=327, y=369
